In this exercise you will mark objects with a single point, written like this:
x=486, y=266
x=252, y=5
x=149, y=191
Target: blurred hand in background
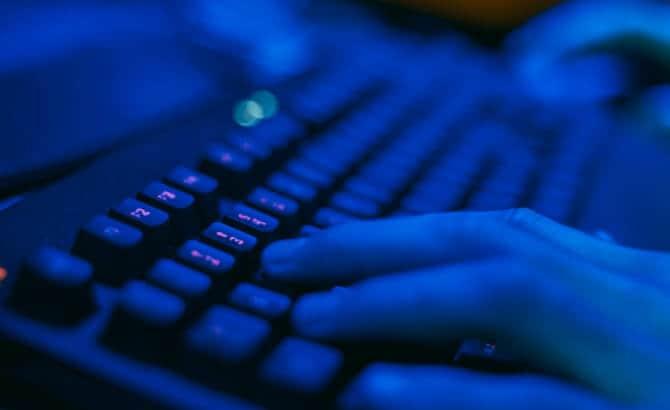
x=581, y=51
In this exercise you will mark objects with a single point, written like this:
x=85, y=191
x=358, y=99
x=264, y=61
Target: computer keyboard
x=160, y=301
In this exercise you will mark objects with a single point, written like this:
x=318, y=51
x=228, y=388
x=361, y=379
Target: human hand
x=592, y=312
x=573, y=53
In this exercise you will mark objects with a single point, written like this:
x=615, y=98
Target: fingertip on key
x=281, y=258
x=315, y=314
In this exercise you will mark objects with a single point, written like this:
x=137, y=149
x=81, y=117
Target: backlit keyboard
x=158, y=300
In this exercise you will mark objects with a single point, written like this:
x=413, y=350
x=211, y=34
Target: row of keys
x=148, y=318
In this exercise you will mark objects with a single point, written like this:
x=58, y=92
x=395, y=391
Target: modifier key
x=145, y=319
x=54, y=286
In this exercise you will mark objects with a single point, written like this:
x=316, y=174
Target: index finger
x=351, y=252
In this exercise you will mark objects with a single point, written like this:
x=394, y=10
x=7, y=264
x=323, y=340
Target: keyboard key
x=201, y=186
x=301, y=366
x=384, y=177
x=250, y=146
x=231, y=168
x=185, y=282
x=179, y=204
x=262, y=302
x=301, y=191
x=113, y=248
x=302, y=170
x=145, y=319
x=282, y=208
x=227, y=335
x=327, y=217
x=232, y=240
x=319, y=159
x=150, y=305
x=51, y=277
x=359, y=186
x=355, y=205
x=262, y=226
x=206, y=258
x=154, y=223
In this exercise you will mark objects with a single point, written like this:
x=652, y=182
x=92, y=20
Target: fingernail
x=315, y=315
x=281, y=257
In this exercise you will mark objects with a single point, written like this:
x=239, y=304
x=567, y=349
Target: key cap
x=302, y=192
x=355, y=205
x=327, y=217
x=206, y=258
x=385, y=178
x=179, y=204
x=145, y=319
x=242, y=245
x=154, y=223
x=112, y=247
x=52, y=278
x=202, y=187
x=259, y=301
x=260, y=225
x=319, y=159
x=250, y=146
x=282, y=208
x=176, y=278
x=227, y=335
x=302, y=170
x=359, y=186
x=301, y=366
x=279, y=132
x=231, y=168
